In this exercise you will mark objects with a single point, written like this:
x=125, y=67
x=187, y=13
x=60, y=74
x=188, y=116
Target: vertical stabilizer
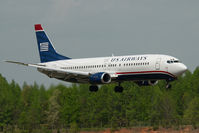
x=46, y=50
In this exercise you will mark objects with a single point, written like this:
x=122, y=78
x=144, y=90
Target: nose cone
x=181, y=69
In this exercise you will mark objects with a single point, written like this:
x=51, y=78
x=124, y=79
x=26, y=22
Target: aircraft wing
x=62, y=74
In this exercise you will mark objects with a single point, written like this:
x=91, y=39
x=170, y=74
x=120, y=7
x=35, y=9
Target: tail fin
x=46, y=50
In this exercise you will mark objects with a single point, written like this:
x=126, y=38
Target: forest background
x=32, y=107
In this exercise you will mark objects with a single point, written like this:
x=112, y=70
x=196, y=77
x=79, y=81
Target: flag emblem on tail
x=44, y=46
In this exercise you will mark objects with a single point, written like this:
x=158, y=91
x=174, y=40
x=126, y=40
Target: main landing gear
x=119, y=88
x=94, y=88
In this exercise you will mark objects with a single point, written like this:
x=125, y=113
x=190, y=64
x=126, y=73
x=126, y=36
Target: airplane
x=144, y=70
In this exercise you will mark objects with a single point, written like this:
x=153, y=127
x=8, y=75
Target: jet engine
x=100, y=78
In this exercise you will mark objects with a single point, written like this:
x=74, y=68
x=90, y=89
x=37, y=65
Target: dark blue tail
x=46, y=49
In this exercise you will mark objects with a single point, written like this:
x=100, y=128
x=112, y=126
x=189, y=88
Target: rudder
x=46, y=50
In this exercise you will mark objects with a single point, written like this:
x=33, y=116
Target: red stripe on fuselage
x=146, y=72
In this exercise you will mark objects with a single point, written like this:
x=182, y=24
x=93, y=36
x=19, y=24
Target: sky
x=96, y=28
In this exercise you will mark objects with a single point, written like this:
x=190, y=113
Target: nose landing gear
x=168, y=86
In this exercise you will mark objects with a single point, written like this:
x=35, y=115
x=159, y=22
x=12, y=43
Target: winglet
x=38, y=27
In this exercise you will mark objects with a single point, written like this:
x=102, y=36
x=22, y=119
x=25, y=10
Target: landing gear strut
x=93, y=88
x=168, y=86
x=119, y=88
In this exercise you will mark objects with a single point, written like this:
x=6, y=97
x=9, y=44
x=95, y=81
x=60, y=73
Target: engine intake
x=100, y=78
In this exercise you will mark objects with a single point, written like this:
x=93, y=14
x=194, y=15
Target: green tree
x=9, y=95
x=192, y=113
x=53, y=111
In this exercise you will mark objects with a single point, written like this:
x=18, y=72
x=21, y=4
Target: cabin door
x=157, y=64
x=107, y=64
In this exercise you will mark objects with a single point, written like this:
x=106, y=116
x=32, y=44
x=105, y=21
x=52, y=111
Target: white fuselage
x=132, y=67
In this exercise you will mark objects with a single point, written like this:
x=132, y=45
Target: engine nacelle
x=100, y=78
x=147, y=83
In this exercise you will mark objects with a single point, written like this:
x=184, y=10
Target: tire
x=118, y=89
x=93, y=88
x=168, y=86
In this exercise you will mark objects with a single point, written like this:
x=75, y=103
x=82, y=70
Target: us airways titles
x=134, y=58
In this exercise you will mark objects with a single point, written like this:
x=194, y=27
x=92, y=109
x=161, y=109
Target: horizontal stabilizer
x=19, y=63
x=46, y=68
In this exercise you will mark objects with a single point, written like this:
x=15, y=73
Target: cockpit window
x=169, y=61
x=172, y=61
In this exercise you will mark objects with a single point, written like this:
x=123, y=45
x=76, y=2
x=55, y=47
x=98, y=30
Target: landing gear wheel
x=93, y=88
x=168, y=86
x=119, y=89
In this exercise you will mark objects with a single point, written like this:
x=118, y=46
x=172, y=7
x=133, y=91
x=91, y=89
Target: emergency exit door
x=157, y=64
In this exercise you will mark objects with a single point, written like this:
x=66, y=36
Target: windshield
x=172, y=61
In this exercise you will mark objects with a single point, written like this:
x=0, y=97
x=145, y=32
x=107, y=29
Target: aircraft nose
x=182, y=69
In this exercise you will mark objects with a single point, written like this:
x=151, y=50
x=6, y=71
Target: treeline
x=34, y=107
